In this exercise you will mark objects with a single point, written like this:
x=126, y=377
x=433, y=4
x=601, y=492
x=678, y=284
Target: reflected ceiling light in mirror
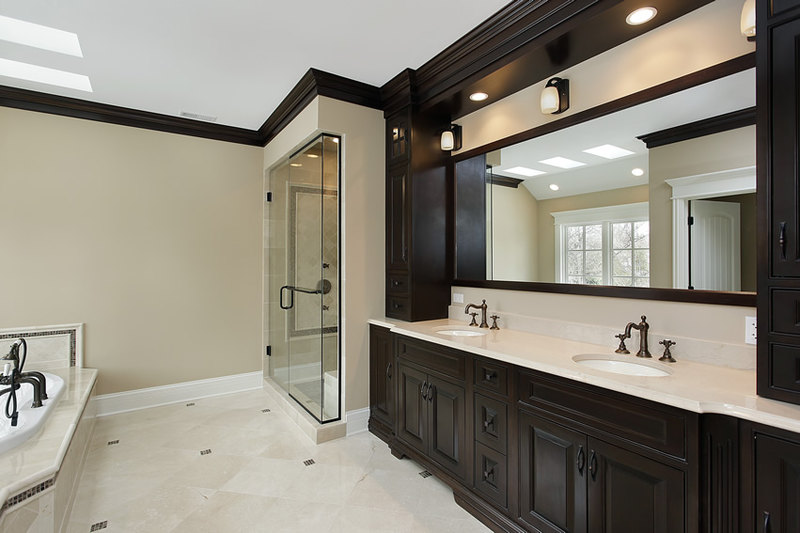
x=608, y=151
x=37, y=36
x=335, y=139
x=562, y=162
x=524, y=171
x=295, y=164
x=748, y=21
x=637, y=172
x=641, y=15
x=555, y=96
x=49, y=76
x=478, y=97
x=312, y=156
x=554, y=187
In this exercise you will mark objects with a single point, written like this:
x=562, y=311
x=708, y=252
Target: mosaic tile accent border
x=26, y=494
x=72, y=332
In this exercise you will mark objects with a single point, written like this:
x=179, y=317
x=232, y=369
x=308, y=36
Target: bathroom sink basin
x=620, y=365
x=455, y=332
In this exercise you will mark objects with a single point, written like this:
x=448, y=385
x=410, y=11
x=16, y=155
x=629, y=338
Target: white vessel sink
x=455, y=332
x=618, y=365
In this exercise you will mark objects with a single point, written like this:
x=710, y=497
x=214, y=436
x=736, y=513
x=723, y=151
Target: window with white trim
x=604, y=246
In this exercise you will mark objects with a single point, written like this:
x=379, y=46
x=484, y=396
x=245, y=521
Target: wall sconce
x=555, y=96
x=451, y=138
x=748, y=23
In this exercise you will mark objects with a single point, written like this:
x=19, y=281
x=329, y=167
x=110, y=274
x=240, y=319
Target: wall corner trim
x=134, y=400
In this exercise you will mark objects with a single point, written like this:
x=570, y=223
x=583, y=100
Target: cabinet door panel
x=628, y=492
x=412, y=415
x=552, y=484
x=381, y=372
x=448, y=425
x=397, y=226
x=777, y=485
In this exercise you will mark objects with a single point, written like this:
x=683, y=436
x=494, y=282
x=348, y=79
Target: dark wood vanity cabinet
x=778, y=152
x=777, y=484
x=381, y=383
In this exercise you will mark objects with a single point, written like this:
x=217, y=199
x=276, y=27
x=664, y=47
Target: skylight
x=562, y=162
x=37, y=36
x=50, y=76
x=524, y=171
x=608, y=151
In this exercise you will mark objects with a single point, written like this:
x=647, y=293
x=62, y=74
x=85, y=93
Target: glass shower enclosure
x=303, y=277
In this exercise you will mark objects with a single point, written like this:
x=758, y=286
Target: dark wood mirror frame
x=666, y=294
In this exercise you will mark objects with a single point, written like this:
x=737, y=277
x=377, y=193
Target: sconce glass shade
x=748, y=23
x=448, y=140
x=451, y=138
x=555, y=96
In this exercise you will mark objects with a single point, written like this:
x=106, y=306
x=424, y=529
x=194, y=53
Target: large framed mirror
x=654, y=200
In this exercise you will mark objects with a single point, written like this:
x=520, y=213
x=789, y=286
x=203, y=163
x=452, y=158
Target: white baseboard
x=121, y=402
x=357, y=420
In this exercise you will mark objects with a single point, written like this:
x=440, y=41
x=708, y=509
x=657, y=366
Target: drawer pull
x=489, y=375
x=488, y=475
x=593, y=465
x=782, y=239
x=580, y=462
x=488, y=422
x=396, y=306
x=395, y=283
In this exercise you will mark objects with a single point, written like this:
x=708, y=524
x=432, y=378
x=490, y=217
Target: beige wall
x=710, y=153
x=698, y=40
x=514, y=220
x=362, y=195
x=150, y=239
x=547, y=234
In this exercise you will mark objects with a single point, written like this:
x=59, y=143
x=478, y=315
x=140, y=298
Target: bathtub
x=30, y=420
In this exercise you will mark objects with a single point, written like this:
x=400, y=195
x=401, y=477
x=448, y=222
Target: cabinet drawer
x=431, y=356
x=638, y=421
x=398, y=307
x=784, y=367
x=491, y=376
x=397, y=283
x=491, y=423
x=491, y=476
x=785, y=311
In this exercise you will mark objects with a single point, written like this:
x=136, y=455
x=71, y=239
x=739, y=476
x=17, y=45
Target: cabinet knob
x=488, y=422
x=488, y=475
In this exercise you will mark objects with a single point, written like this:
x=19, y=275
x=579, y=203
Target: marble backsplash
x=49, y=347
x=740, y=356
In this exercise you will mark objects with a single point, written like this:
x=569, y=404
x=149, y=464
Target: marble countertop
x=697, y=387
x=40, y=457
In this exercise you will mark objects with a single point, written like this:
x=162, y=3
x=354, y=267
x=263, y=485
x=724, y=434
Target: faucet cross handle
x=622, y=348
x=667, y=357
x=474, y=321
x=494, y=322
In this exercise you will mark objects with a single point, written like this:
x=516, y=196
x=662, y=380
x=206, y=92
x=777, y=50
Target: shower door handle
x=291, y=297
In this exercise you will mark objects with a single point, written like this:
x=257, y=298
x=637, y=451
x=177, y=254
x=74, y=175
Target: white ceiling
x=622, y=128
x=235, y=60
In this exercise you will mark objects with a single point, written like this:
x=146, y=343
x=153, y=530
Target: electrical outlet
x=750, y=332
x=458, y=298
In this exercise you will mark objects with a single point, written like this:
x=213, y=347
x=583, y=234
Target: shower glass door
x=303, y=256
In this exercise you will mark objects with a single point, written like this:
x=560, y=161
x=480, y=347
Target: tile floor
x=155, y=479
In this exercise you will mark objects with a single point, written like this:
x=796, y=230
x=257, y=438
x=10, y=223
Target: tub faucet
x=643, y=328
x=483, y=308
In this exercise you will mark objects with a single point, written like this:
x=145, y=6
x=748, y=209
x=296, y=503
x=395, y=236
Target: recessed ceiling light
x=637, y=172
x=312, y=156
x=562, y=162
x=524, y=171
x=50, y=76
x=295, y=164
x=608, y=151
x=478, y=97
x=37, y=36
x=641, y=15
x=553, y=187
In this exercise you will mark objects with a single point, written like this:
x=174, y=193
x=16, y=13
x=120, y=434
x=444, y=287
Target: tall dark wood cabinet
x=417, y=207
x=778, y=98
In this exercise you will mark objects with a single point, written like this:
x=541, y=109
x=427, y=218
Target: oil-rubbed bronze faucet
x=643, y=328
x=483, y=308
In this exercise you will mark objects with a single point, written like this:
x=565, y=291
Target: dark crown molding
x=700, y=128
x=505, y=181
x=76, y=108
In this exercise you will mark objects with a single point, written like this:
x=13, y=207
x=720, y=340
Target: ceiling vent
x=196, y=116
